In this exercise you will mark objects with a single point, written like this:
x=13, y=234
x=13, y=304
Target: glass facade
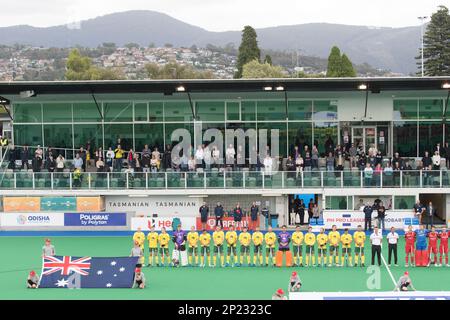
x=417, y=123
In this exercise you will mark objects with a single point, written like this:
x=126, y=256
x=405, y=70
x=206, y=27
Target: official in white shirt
x=392, y=238
x=375, y=239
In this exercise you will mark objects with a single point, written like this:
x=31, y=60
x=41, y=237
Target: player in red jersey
x=443, y=245
x=432, y=245
x=410, y=240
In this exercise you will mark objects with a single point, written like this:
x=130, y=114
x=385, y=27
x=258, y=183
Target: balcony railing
x=222, y=180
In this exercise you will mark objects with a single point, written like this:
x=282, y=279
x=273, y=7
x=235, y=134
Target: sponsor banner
x=158, y=223
x=58, y=204
x=389, y=295
x=90, y=204
x=95, y=219
x=32, y=220
x=227, y=223
x=163, y=206
x=351, y=219
x=21, y=204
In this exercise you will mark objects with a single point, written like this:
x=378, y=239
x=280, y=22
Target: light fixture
x=446, y=85
x=267, y=88
x=362, y=86
x=27, y=94
x=180, y=89
x=279, y=88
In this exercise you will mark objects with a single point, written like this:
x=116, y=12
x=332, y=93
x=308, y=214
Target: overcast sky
x=221, y=15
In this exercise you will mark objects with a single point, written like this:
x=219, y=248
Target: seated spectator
x=32, y=280
x=60, y=163
x=191, y=164
x=184, y=163
x=100, y=165
x=78, y=162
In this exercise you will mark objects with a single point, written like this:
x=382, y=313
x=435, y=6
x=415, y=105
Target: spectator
x=237, y=216
x=430, y=212
x=204, y=213
x=360, y=205
x=230, y=153
x=12, y=158
x=329, y=145
x=307, y=161
x=51, y=164
x=100, y=165
x=446, y=154
x=207, y=159
x=25, y=157
x=240, y=158
x=301, y=211
x=254, y=216
x=167, y=157
x=315, y=157
x=157, y=156
x=216, y=157
x=83, y=156
x=377, y=174
x=38, y=153
x=362, y=161
x=316, y=212
x=290, y=166
x=330, y=162
x=368, y=210
x=392, y=238
x=339, y=159
x=438, y=148
x=436, y=159
x=375, y=239
x=146, y=156
x=60, y=163
x=310, y=210
x=381, y=215
x=298, y=164
x=118, y=157
x=184, y=163
x=426, y=160
x=199, y=157
x=136, y=163
x=191, y=164
x=154, y=163
x=388, y=173
x=352, y=151
x=130, y=156
x=48, y=249
x=379, y=159
x=396, y=160
x=78, y=162
x=419, y=210
x=32, y=280
x=368, y=174
x=219, y=213
x=36, y=163
x=268, y=163
x=305, y=151
x=110, y=155
x=99, y=154
x=77, y=178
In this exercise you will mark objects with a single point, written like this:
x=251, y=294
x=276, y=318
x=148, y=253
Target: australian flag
x=87, y=272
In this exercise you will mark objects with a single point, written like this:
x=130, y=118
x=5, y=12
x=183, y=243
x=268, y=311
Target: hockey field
x=22, y=254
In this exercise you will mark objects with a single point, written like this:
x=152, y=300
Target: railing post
x=342, y=179
x=204, y=179
x=224, y=178
x=89, y=181
x=301, y=177
x=421, y=178
x=381, y=179
x=361, y=181
x=70, y=180
x=108, y=177
x=321, y=179
x=282, y=179
x=401, y=179
x=34, y=182
x=185, y=180
x=127, y=180
x=51, y=180
x=165, y=180
x=15, y=180
x=440, y=178
x=263, y=179
x=146, y=180
x=243, y=179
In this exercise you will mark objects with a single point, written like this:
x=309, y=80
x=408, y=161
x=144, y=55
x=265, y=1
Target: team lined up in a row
x=199, y=246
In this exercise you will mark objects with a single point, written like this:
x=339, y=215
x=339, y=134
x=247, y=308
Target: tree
x=173, y=70
x=256, y=70
x=248, y=50
x=80, y=67
x=436, y=42
x=268, y=59
x=132, y=45
x=339, y=65
x=334, y=63
x=347, y=69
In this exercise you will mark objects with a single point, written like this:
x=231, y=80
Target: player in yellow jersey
x=232, y=238
x=334, y=238
x=244, y=240
x=360, y=238
x=218, y=238
x=152, y=238
x=163, y=240
x=139, y=237
x=297, y=246
x=257, y=239
x=322, y=240
x=346, y=240
x=310, y=241
x=270, y=238
x=192, y=238
x=205, y=242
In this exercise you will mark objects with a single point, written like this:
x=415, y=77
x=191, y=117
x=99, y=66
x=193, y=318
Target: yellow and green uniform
x=310, y=240
x=152, y=238
x=218, y=238
x=163, y=240
x=139, y=237
x=322, y=240
x=192, y=238
x=257, y=239
x=244, y=240
x=205, y=242
x=346, y=240
x=360, y=238
x=231, y=237
x=270, y=238
x=334, y=238
x=297, y=245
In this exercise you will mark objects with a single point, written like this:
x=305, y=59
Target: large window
x=430, y=109
x=156, y=111
x=430, y=133
x=210, y=110
x=325, y=110
x=118, y=111
x=299, y=134
x=151, y=134
x=339, y=203
x=27, y=112
x=248, y=110
x=57, y=112
x=405, y=138
x=282, y=136
x=93, y=133
x=86, y=112
x=405, y=109
x=300, y=110
x=271, y=110
x=119, y=132
x=170, y=129
x=177, y=111
x=404, y=202
x=29, y=135
x=322, y=131
x=58, y=136
x=141, y=112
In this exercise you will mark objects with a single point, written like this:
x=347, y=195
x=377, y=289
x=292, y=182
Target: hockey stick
x=310, y=257
x=321, y=257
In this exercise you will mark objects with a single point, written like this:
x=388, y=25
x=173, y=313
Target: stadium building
x=408, y=116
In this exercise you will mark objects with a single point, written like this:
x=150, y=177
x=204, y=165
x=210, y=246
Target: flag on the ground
x=87, y=272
